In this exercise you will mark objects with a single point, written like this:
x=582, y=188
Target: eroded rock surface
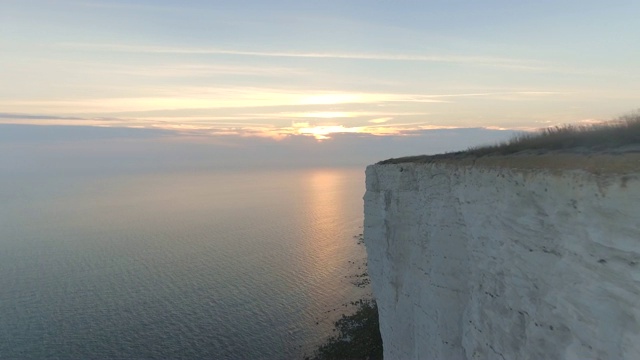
x=472, y=261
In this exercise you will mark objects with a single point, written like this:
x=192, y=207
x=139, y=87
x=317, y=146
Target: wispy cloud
x=35, y=117
x=264, y=112
x=111, y=5
x=206, y=98
x=206, y=105
x=199, y=70
x=24, y=119
x=228, y=128
x=495, y=93
x=460, y=59
x=339, y=114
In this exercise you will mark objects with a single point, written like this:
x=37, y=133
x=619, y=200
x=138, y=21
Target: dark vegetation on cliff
x=358, y=336
x=620, y=134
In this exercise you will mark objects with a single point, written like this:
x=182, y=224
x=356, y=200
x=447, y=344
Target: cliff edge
x=524, y=256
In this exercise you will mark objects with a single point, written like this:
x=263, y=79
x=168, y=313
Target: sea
x=243, y=264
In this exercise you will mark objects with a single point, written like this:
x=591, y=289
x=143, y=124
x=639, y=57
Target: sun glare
x=323, y=132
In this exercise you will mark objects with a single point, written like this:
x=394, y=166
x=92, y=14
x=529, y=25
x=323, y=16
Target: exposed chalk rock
x=482, y=261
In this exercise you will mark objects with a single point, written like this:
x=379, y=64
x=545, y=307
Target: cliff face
x=504, y=262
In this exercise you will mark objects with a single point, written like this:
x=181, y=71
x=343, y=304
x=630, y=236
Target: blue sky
x=278, y=69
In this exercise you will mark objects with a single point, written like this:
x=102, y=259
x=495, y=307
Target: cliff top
x=613, y=146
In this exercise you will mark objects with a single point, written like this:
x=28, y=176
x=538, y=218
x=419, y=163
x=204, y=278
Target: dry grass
x=616, y=134
x=613, y=134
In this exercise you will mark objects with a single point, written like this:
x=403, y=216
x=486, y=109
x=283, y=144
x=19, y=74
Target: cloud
x=321, y=131
x=193, y=98
x=338, y=114
x=209, y=98
x=35, y=117
x=198, y=70
x=459, y=59
x=300, y=124
x=123, y=6
x=258, y=112
x=30, y=119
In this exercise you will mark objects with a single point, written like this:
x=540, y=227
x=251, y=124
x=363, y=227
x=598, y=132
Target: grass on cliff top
x=622, y=132
x=609, y=135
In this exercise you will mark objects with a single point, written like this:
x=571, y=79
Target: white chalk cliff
x=509, y=258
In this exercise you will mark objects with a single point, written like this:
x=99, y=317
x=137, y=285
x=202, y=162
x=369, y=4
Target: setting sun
x=323, y=132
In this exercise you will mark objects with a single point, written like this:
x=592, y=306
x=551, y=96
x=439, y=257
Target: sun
x=324, y=132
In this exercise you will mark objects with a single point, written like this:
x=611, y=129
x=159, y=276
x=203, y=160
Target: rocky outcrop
x=506, y=258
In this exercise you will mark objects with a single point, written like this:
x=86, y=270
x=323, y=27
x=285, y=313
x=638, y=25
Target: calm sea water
x=235, y=265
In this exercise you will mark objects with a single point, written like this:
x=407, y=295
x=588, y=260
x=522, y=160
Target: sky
x=255, y=72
